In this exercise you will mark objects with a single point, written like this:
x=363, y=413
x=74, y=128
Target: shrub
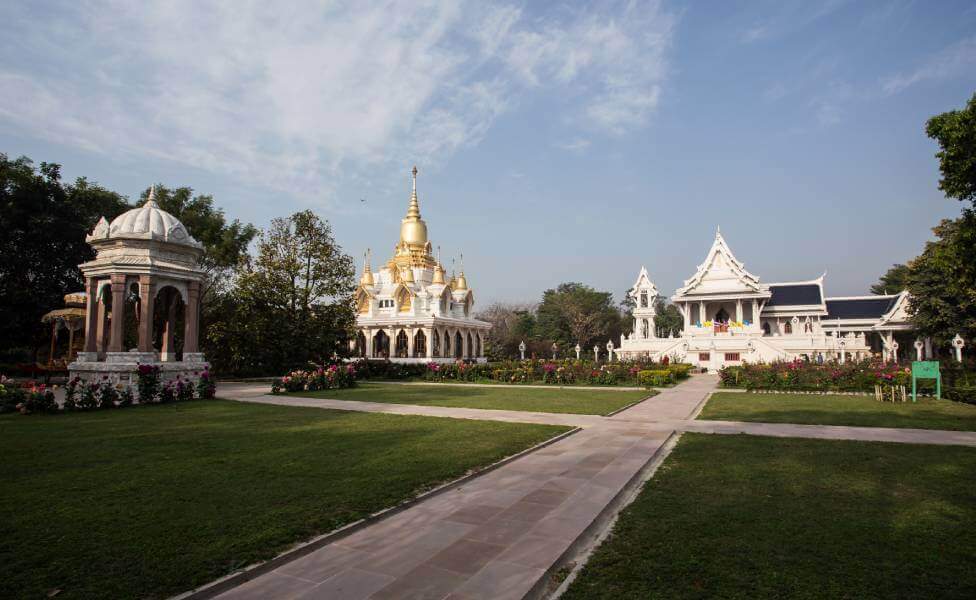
x=107, y=395
x=206, y=387
x=87, y=396
x=147, y=383
x=167, y=393
x=125, y=395
x=965, y=394
x=11, y=395
x=655, y=377
x=39, y=399
x=805, y=376
x=184, y=390
x=333, y=377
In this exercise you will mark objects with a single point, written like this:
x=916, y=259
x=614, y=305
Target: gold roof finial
x=367, y=278
x=462, y=281
x=413, y=211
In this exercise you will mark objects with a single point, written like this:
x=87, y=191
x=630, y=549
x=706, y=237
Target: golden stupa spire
x=367, y=278
x=438, y=269
x=462, y=282
x=413, y=211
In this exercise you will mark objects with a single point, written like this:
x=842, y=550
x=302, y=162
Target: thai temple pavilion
x=731, y=317
x=410, y=311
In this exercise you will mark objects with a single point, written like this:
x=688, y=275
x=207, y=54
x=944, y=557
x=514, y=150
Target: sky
x=555, y=141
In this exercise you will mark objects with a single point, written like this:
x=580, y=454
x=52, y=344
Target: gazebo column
x=54, y=339
x=738, y=310
x=102, y=333
x=168, y=349
x=118, y=312
x=71, y=341
x=192, y=318
x=147, y=301
x=686, y=312
x=92, y=311
x=410, y=341
x=755, y=312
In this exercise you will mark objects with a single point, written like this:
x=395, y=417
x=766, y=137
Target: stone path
x=502, y=534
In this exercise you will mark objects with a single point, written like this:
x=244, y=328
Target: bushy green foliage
x=656, y=377
x=804, y=376
x=331, y=377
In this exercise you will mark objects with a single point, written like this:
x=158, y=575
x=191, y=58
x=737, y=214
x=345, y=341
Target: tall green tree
x=893, y=281
x=942, y=281
x=43, y=224
x=576, y=313
x=292, y=303
x=955, y=131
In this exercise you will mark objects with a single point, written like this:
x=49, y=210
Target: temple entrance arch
x=419, y=344
x=381, y=345
x=458, y=346
x=402, y=344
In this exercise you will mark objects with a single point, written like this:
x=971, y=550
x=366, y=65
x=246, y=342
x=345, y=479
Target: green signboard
x=926, y=369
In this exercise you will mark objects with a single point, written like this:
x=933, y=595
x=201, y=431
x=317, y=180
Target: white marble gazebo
x=148, y=259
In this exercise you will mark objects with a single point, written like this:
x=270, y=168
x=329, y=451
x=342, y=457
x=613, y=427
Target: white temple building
x=731, y=317
x=409, y=311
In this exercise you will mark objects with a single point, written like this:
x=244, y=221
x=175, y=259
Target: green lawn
x=556, y=400
x=151, y=501
x=751, y=517
x=864, y=411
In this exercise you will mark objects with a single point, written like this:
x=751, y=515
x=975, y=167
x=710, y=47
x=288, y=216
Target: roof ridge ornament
x=151, y=200
x=413, y=210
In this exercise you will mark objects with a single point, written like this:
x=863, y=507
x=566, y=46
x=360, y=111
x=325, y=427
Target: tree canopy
x=955, y=131
x=293, y=302
x=43, y=224
x=893, y=281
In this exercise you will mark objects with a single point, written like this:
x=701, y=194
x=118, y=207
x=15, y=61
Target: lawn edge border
x=579, y=551
x=242, y=576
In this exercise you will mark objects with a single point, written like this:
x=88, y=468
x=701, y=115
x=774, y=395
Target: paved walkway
x=501, y=534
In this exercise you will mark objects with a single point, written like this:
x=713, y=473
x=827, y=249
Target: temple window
x=643, y=300
x=788, y=328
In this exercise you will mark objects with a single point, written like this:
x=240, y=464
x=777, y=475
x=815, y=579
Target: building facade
x=731, y=317
x=410, y=311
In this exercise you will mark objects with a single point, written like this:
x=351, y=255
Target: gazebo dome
x=146, y=222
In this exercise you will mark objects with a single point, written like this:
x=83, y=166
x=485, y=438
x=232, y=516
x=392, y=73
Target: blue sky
x=555, y=142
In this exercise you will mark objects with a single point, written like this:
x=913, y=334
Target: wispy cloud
x=294, y=94
x=574, y=145
x=957, y=59
x=754, y=33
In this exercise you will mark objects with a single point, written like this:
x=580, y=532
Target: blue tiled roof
x=794, y=294
x=859, y=308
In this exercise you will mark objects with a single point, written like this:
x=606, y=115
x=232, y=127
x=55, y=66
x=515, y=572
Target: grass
x=750, y=517
x=556, y=400
x=863, y=411
x=150, y=501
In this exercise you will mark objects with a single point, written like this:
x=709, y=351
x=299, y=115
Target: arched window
x=403, y=299
x=458, y=345
x=765, y=328
x=788, y=328
x=360, y=345
x=645, y=327
x=420, y=344
x=381, y=345
x=477, y=346
x=470, y=346
x=447, y=344
x=437, y=343
x=445, y=299
x=808, y=327
x=401, y=344
x=643, y=300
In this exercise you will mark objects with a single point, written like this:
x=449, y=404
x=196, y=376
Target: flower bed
x=81, y=395
x=557, y=372
x=332, y=377
x=803, y=376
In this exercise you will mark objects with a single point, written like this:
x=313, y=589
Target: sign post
x=926, y=369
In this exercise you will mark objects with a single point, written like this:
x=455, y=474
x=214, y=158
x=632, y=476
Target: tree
x=942, y=281
x=225, y=244
x=508, y=328
x=576, y=313
x=43, y=224
x=668, y=318
x=892, y=282
x=955, y=131
x=293, y=302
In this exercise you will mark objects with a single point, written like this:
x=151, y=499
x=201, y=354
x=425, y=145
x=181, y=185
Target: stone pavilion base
x=121, y=367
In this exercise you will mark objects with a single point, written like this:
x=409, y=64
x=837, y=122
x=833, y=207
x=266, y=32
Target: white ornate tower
x=644, y=294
